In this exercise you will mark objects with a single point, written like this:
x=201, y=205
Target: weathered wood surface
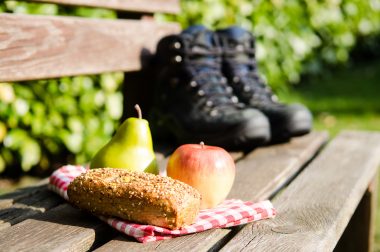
x=145, y=6
x=267, y=169
x=39, y=201
x=272, y=165
x=37, y=47
x=60, y=229
x=8, y=199
x=315, y=208
x=359, y=234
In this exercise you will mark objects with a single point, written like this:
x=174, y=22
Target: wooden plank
x=266, y=170
x=371, y=210
x=60, y=229
x=360, y=232
x=35, y=201
x=36, y=47
x=6, y=200
x=145, y=6
x=258, y=169
x=315, y=208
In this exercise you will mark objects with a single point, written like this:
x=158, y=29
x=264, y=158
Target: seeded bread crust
x=136, y=196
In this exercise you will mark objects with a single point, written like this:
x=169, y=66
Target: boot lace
x=246, y=79
x=206, y=77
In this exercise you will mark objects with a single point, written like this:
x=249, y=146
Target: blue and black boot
x=240, y=69
x=194, y=102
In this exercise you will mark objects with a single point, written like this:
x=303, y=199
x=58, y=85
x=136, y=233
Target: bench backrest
x=40, y=47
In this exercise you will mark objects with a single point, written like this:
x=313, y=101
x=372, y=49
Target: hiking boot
x=240, y=68
x=194, y=102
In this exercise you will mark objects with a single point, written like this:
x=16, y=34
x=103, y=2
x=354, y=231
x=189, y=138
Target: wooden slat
x=61, y=229
x=6, y=200
x=263, y=171
x=315, y=208
x=38, y=201
x=36, y=47
x=266, y=170
x=360, y=232
x=145, y=6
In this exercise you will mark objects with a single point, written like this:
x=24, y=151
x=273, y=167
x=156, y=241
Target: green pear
x=130, y=148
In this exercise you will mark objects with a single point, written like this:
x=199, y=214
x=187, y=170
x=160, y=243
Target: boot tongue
x=201, y=37
x=238, y=40
x=238, y=36
x=203, y=46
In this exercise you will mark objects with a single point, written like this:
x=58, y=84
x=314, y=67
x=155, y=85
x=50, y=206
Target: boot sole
x=297, y=128
x=244, y=136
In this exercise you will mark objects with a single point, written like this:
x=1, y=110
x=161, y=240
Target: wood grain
x=360, y=232
x=272, y=166
x=184, y=243
x=145, y=6
x=28, y=206
x=60, y=229
x=315, y=208
x=267, y=169
x=6, y=200
x=36, y=47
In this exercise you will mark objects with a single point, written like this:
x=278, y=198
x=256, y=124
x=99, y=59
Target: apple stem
x=202, y=144
x=138, y=109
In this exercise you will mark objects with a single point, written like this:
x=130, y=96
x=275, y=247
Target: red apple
x=209, y=169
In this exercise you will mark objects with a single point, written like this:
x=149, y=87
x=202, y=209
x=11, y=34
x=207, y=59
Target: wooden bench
x=325, y=194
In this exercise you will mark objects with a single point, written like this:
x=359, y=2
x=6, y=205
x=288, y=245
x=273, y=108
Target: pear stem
x=202, y=144
x=138, y=109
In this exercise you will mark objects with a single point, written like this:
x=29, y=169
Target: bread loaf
x=136, y=196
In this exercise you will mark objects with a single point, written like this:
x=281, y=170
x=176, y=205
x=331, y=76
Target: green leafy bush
x=43, y=122
x=47, y=123
x=294, y=36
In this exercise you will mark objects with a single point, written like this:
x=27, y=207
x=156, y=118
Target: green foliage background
x=66, y=120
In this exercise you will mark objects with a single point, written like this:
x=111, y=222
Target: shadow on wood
x=359, y=234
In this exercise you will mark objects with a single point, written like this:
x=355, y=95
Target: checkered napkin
x=227, y=214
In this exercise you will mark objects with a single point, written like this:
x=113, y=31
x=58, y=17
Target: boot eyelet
x=234, y=99
x=274, y=98
x=246, y=88
x=209, y=103
x=235, y=79
x=229, y=90
x=214, y=112
x=178, y=58
x=193, y=84
x=177, y=45
x=201, y=92
x=239, y=48
x=224, y=80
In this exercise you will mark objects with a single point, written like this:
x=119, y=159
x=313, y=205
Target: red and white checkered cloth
x=227, y=214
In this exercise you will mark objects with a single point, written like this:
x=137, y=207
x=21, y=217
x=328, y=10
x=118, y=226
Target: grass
x=344, y=99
